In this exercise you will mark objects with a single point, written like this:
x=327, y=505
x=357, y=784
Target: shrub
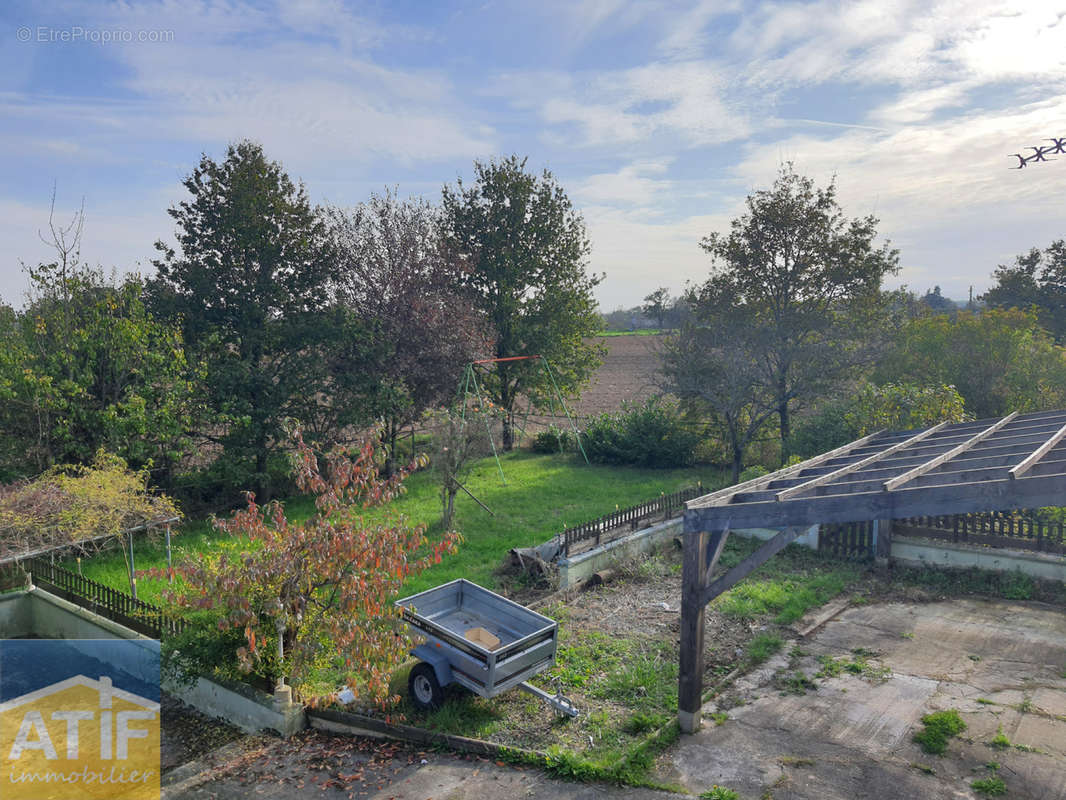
x=553, y=440
x=648, y=435
x=754, y=471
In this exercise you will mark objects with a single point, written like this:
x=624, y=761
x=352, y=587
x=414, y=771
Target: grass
x=719, y=793
x=788, y=585
x=798, y=683
x=992, y=787
x=762, y=647
x=1000, y=740
x=544, y=495
x=937, y=729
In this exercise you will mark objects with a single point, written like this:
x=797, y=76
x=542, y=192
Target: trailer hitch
x=558, y=701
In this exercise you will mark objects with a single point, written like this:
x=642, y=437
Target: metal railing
x=103, y=600
x=664, y=507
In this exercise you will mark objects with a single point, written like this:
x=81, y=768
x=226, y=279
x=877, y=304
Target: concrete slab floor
x=1001, y=664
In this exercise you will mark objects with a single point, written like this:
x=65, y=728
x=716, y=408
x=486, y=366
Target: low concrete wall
x=932, y=553
x=35, y=611
x=249, y=709
x=578, y=568
x=16, y=616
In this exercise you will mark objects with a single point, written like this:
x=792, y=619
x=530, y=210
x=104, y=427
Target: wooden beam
x=933, y=463
x=994, y=495
x=1038, y=454
x=690, y=668
x=831, y=476
x=742, y=570
x=843, y=450
x=714, y=549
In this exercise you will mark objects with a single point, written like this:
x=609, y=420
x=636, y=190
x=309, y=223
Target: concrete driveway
x=321, y=765
x=1000, y=664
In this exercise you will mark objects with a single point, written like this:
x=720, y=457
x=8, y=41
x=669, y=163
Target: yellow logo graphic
x=79, y=738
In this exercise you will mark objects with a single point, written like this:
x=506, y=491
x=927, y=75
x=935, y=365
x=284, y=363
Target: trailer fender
x=437, y=660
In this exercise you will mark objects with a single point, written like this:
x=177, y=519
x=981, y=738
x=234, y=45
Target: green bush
x=754, y=471
x=553, y=440
x=648, y=435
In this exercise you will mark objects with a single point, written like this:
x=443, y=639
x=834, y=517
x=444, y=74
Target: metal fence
x=103, y=600
x=993, y=529
x=664, y=507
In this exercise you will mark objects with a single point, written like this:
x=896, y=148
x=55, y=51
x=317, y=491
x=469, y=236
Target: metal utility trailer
x=481, y=641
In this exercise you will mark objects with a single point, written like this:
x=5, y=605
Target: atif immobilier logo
x=79, y=737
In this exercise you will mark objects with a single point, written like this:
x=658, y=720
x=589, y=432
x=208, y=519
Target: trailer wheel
x=424, y=688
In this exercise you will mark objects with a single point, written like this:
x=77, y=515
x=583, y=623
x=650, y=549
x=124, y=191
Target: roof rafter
x=832, y=476
x=1018, y=461
x=933, y=463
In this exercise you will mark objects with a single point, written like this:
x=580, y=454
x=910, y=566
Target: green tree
x=807, y=279
x=86, y=367
x=999, y=361
x=903, y=406
x=400, y=285
x=657, y=305
x=1036, y=279
x=712, y=365
x=250, y=282
x=525, y=249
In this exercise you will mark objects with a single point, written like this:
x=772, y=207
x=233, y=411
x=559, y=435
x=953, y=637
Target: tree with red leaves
x=303, y=592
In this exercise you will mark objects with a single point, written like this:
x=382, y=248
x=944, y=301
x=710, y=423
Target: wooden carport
x=1018, y=461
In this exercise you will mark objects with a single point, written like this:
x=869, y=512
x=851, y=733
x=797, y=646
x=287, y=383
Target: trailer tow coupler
x=558, y=701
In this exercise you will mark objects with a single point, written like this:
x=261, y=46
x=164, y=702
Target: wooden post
x=133, y=580
x=882, y=540
x=690, y=679
x=701, y=554
x=170, y=566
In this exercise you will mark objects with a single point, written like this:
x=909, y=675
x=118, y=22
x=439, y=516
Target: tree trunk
x=738, y=462
x=449, y=508
x=508, y=432
x=262, y=480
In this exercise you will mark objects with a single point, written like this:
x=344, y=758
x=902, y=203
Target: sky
x=657, y=118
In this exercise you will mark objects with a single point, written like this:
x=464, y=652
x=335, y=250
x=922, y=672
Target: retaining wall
x=929, y=552
x=248, y=708
x=575, y=569
x=36, y=612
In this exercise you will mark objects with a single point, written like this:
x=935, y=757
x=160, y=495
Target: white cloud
x=691, y=102
x=640, y=256
x=632, y=185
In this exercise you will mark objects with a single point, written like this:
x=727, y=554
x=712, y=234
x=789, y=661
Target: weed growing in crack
x=937, y=729
x=991, y=787
x=1000, y=740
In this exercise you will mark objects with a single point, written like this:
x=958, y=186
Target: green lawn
x=543, y=495
x=640, y=332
